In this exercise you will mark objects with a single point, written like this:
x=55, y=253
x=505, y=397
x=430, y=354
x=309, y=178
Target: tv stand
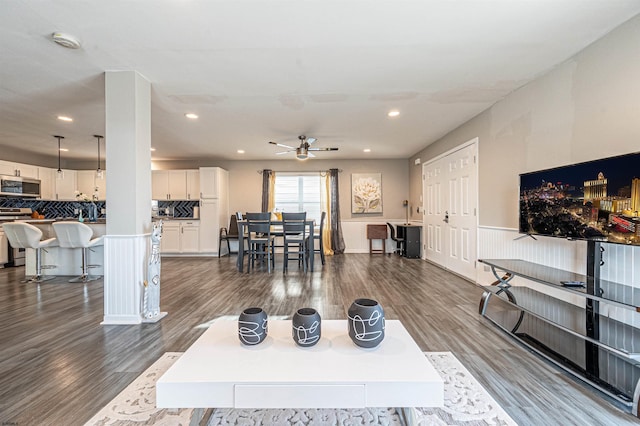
x=574, y=336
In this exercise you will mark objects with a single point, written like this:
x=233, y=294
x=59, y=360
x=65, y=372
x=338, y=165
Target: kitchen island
x=68, y=261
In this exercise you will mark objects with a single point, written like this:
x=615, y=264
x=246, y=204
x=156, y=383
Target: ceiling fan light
x=301, y=153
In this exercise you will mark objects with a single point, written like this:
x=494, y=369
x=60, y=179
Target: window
x=299, y=192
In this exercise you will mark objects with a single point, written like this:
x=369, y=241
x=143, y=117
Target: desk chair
x=228, y=234
x=78, y=235
x=261, y=242
x=294, y=230
x=25, y=235
x=319, y=238
x=399, y=241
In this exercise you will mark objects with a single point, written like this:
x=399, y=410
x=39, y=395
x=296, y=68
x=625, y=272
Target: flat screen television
x=595, y=200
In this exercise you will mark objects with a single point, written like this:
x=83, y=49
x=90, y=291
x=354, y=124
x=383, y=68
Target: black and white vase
x=366, y=323
x=252, y=326
x=306, y=327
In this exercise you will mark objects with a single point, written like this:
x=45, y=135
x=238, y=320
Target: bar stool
x=24, y=235
x=78, y=235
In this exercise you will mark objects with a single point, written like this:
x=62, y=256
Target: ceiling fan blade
x=322, y=149
x=310, y=154
x=284, y=152
x=311, y=140
x=281, y=145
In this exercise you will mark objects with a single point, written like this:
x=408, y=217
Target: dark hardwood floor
x=59, y=366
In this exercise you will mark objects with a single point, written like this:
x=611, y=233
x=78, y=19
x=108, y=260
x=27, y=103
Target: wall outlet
x=487, y=268
x=103, y=211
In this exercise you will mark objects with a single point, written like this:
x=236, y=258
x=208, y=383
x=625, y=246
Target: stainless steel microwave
x=17, y=186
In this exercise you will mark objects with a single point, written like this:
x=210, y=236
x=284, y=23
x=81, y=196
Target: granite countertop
x=64, y=219
x=155, y=219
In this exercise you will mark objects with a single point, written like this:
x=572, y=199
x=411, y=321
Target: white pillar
x=128, y=148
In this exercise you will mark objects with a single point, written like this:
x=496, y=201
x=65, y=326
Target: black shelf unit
x=579, y=340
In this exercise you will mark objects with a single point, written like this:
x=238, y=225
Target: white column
x=128, y=148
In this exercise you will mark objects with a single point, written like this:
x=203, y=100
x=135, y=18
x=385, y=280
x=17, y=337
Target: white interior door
x=450, y=193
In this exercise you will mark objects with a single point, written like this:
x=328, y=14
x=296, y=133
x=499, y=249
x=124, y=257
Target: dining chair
x=229, y=234
x=399, y=241
x=318, y=237
x=260, y=240
x=294, y=230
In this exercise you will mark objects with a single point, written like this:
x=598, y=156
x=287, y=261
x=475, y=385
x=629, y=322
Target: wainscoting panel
x=125, y=259
x=355, y=236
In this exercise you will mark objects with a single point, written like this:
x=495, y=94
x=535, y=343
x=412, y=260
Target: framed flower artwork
x=366, y=193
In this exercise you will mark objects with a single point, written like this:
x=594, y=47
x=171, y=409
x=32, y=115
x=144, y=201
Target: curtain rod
x=299, y=171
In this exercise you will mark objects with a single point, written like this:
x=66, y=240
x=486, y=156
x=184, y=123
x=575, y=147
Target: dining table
x=276, y=230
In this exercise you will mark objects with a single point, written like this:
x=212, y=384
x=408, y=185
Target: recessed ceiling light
x=64, y=149
x=191, y=115
x=367, y=150
x=64, y=118
x=153, y=149
x=393, y=113
x=241, y=151
x=66, y=40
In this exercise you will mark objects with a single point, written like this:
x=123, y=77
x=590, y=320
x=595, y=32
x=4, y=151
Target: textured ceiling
x=256, y=71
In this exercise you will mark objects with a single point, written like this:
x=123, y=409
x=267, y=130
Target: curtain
x=268, y=193
x=337, y=241
x=325, y=202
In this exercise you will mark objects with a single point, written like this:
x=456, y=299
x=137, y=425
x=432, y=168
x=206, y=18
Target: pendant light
x=99, y=173
x=59, y=175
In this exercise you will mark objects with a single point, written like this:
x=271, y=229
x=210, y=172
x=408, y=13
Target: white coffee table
x=218, y=371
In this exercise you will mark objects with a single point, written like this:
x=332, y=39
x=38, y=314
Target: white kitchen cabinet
x=90, y=184
x=159, y=185
x=18, y=169
x=180, y=236
x=66, y=184
x=47, y=178
x=170, y=242
x=189, y=236
x=86, y=182
x=27, y=170
x=209, y=225
x=193, y=184
x=169, y=184
x=177, y=184
x=7, y=168
x=213, y=180
x=101, y=185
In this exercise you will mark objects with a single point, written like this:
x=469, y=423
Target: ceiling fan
x=302, y=152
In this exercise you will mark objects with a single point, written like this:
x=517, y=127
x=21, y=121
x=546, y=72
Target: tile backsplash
x=180, y=208
x=54, y=209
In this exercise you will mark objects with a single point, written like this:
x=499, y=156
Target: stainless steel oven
x=16, y=256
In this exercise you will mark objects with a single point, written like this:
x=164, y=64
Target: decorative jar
x=306, y=327
x=366, y=323
x=252, y=326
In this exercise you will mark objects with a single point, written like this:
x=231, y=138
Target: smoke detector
x=66, y=40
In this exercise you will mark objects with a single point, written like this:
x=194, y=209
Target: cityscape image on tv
x=597, y=200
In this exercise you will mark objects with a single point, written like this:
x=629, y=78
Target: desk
x=218, y=371
x=276, y=223
x=411, y=235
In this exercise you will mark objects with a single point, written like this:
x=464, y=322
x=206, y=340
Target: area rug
x=465, y=403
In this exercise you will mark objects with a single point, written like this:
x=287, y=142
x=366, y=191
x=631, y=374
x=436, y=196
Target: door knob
x=446, y=217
